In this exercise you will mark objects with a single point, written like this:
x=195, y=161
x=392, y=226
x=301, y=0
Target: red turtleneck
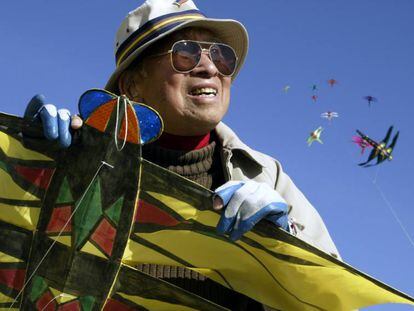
x=184, y=143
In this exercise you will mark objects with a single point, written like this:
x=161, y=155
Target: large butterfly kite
x=75, y=223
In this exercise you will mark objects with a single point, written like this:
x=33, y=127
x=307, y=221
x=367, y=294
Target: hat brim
x=230, y=32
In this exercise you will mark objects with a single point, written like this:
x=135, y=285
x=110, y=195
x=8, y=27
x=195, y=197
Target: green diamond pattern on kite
x=65, y=195
x=114, y=212
x=44, y=297
x=89, y=212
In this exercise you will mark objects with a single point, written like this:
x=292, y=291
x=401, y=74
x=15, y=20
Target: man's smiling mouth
x=204, y=92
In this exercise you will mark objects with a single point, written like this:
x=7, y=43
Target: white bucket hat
x=156, y=19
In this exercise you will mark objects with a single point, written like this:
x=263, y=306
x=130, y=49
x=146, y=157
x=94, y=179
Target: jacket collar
x=229, y=140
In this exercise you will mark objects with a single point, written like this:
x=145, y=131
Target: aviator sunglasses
x=186, y=55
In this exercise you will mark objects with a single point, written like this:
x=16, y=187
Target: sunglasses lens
x=224, y=57
x=185, y=55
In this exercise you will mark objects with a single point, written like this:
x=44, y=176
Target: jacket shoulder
x=243, y=162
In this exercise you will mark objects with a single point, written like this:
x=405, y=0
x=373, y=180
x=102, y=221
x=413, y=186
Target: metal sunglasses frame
x=202, y=51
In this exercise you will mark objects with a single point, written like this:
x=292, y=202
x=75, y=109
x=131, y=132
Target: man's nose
x=206, y=66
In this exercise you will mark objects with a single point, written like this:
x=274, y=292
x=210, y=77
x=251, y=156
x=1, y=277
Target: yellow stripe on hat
x=155, y=27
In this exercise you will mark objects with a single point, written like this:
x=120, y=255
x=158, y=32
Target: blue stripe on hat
x=135, y=40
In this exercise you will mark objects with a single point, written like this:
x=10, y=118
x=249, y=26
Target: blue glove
x=246, y=203
x=56, y=123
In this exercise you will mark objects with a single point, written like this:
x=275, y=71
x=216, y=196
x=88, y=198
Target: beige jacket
x=242, y=163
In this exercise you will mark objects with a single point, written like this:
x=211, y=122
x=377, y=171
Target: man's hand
x=246, y=203
x=56, y=122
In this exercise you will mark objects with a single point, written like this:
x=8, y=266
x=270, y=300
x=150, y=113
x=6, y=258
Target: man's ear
x=129, y=86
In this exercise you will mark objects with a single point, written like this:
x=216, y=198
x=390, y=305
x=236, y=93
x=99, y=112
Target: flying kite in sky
x=370, y=99
x=315, y=135
x=332, y=82
x=314, y=87
x=361, y=142
x=314, y=98
x=380, y=150
x=329, y=115
x=286, y=88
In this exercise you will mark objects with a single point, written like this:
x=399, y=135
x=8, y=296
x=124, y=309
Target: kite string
x=61, y=231
x=388, y=203
x=54, y=298
x=392, y=209
x=376, y=175
x=125, y=103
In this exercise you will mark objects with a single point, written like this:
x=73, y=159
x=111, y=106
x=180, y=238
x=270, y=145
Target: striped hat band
x=152, y=29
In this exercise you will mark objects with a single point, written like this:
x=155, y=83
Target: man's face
x=185, y=100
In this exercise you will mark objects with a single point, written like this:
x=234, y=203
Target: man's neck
x=184, y=143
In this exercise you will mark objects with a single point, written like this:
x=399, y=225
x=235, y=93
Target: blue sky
x=62, y=48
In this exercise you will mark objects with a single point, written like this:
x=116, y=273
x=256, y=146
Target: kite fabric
x=315, y=136
x=381, y=150
x=75, y=223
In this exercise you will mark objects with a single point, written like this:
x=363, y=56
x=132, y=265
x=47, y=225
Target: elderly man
x=172, y=58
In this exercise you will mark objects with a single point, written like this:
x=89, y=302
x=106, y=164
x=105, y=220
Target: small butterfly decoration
x=135, y=122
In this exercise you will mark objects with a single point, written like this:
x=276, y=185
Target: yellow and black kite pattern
x=74, y=223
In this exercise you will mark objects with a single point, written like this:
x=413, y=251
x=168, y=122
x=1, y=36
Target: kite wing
x=373, y=154
x=380, y=151
x=73, y=226
x=384, y=142
x=310, y=140
x=394, y=141
x=65, y=222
